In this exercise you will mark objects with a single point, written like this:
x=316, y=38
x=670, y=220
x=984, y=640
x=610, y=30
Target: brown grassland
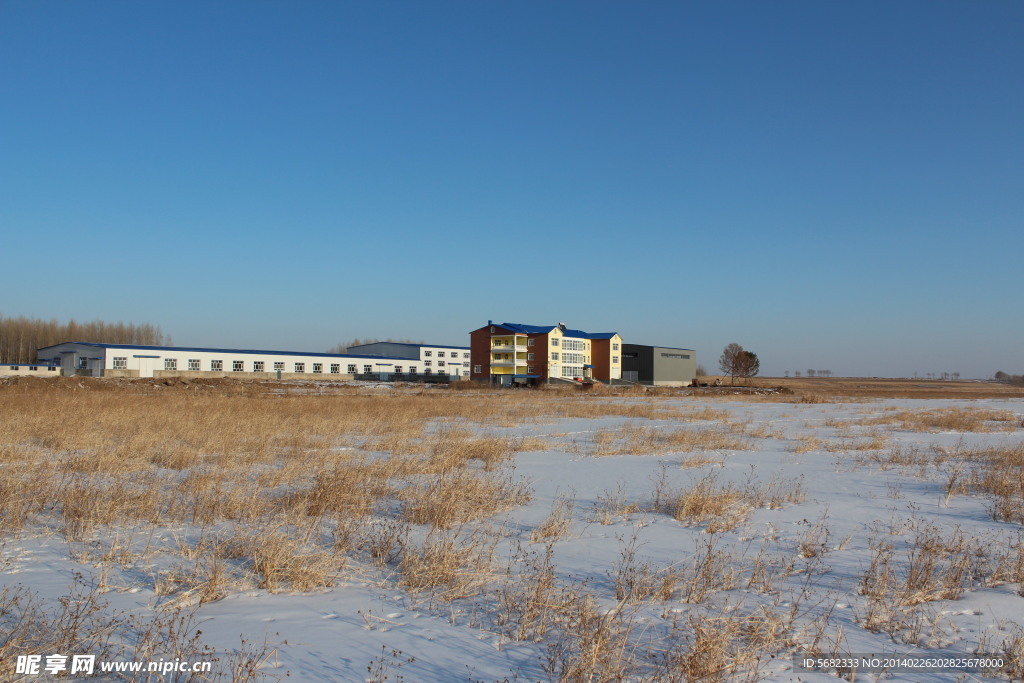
x=875, y=387
x=292, y=486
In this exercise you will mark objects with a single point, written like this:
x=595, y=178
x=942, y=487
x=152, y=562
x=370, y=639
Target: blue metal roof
x=431, y=346
x=225, y=351
x=542, y=329
x=528, y=329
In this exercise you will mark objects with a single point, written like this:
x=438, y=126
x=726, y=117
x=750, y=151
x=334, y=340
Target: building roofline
x=544, y=329
x=213, y=350
x=654, y=346
x=433, y=346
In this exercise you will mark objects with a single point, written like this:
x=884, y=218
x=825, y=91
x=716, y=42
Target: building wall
x=499, y=363
x=575, y=354
x=245, y=375
x=638, y=363
x=393, y=349
x=28, y=370
x=674, y=367
x=607, y=358
x=456, y=358
x=114, y=361
x=557, y=353
x=600, y=352
x=615, y=371
x=658, y=365
x=480, y=354
x=540, y=350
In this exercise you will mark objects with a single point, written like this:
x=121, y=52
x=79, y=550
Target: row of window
x=508, y=356
x=570, y=344
x=33, y=368
x=505, y=342
x=440, y=354
x=195, y=365
x=566, y=357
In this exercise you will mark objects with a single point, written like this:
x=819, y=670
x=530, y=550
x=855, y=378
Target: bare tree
x=749, y=365
x=20, y=337
x=729, y=361
x=737, y=362
x=810, y=373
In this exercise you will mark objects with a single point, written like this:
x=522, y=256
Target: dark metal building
x=658, y=365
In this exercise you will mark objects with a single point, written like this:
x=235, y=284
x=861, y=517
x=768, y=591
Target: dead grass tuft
x=557, y=524
x=279, y=560
x=449, y=563
x=458, y=496
x=724, y=506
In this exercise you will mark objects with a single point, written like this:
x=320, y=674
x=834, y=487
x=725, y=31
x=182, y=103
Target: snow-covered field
x=826, y=529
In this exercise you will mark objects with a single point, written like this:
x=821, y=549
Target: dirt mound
x=50, y=383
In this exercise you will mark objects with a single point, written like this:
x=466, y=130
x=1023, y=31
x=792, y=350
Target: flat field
x=334, y=532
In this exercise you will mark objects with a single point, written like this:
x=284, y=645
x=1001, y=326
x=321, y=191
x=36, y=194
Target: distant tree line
x=21, y=336
x=1012, y=379
x=813, y=373
x=343, y=347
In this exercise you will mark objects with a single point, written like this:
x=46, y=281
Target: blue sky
x=832, y=185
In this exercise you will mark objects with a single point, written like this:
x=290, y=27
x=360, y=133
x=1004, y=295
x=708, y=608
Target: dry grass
x=119, y=458
x=531, y=602
x=808, y=443
x=1010, y=646
x=82, y=622
x=635, y=439
x=936, y=564
x=279, y=560
x=460, y=496
x=999, y=472
x=286, y=492
x=847, y=388
x=555, y=525
x=635, y=580
x=766, y=431
x=723, y=506
x=612, y=505
x=451, y=564
x=950, y=420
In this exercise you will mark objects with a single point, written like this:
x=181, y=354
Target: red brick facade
x=600, y=358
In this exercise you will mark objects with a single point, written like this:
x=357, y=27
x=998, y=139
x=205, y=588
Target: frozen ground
x=818, y=552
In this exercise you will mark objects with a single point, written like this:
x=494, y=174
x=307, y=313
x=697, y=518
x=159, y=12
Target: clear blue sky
x=833, y=185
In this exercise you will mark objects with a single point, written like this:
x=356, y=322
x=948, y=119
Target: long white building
x=451, y=360
x=125, y=360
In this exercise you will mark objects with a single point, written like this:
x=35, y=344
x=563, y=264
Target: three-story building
x=514, y=353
